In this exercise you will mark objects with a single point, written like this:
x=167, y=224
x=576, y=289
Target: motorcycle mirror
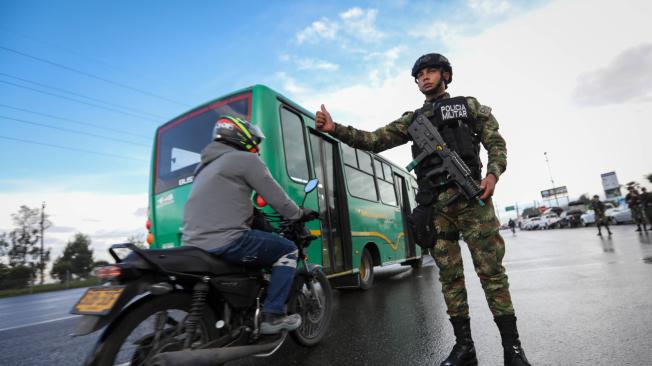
x=311, y=185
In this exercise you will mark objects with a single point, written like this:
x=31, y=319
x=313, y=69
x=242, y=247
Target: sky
x=83, y=86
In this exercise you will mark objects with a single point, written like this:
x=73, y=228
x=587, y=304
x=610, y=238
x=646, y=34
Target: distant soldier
x=633, y=200
x=646, y=202
x=600, y=217
x=512, y=225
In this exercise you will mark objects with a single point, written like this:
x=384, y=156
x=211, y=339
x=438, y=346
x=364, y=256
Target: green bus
x=363, y=198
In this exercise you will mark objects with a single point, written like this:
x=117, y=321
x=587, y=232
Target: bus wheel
x=366, y=273
x=416, y=263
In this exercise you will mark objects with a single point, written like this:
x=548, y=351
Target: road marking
x=38, y=323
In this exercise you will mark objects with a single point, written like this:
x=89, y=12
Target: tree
x=24, y=248
x=649, y=177
x=15, y=277
x=77, y=259
x=61, y=269
x=4, y=245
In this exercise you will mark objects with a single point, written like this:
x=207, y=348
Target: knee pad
x=287, y=260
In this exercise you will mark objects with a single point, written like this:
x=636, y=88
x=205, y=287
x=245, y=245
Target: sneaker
x=275, y=323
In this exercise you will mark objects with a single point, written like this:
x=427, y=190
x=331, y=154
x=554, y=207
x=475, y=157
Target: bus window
x=180, y=142
x=294, y=145
x=379, y=169
x=364, y=160
x=361, y=184
x=386, y=186
x=349, y=155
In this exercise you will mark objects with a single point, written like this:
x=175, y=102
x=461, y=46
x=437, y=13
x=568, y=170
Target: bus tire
x=366, y=272
x=416, y=263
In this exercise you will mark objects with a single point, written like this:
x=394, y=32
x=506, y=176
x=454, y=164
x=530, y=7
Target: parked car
x=573, y=217
x=550, y=221
x=619, y=215
x=534, y=223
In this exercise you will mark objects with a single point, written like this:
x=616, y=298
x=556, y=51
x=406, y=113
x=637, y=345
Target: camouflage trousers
x=637, y=215
x=648, y=214
x=479, y=227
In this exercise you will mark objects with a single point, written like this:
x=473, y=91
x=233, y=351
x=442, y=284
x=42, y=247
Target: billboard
x=554, y=192
x=609, y=181
x=610, y=185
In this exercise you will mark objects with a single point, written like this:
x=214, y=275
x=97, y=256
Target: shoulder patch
x=484, y=111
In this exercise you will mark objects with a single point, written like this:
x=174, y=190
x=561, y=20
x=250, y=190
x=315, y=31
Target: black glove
x=308, y=214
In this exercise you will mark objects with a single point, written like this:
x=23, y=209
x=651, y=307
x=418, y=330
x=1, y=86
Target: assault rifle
x=426, y=136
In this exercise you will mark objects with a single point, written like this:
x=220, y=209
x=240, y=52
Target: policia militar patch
x=452, y=109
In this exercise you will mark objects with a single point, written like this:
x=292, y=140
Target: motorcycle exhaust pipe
x=212, y=356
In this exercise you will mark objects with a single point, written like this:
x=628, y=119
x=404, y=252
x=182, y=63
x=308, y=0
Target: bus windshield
x=180, y=142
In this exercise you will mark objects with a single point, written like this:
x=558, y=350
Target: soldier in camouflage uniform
x=646, y=202
x=478, y=224
x=599, y=211
x=633, y=200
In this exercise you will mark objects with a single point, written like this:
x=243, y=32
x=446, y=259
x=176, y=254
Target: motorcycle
x=186, y=306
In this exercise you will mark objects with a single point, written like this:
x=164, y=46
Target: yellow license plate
x=98, y=300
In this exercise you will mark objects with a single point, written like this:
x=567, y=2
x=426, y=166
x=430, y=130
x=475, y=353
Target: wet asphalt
x=580, y=300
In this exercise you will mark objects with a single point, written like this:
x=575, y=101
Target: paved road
x=580, y=300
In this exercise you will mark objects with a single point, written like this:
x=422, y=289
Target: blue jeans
x=262, y=249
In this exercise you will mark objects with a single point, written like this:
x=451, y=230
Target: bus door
x=402, y=193
x=335, y=231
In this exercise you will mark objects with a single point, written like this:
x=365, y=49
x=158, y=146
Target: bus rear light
x=108, y=272
x=148, y=224
x=150, y=238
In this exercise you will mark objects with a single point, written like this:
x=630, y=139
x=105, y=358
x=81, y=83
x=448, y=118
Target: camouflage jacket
x=395, y=134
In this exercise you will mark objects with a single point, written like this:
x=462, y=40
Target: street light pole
x=554, y=192
x=42, y=231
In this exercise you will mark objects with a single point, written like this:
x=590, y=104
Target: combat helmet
x=238, y=132
x=433, y=60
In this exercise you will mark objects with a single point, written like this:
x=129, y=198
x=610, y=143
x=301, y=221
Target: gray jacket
x=219, y=209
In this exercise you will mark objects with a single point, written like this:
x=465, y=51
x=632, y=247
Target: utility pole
x=42, y=231
x=517, y=214
x=554, y=192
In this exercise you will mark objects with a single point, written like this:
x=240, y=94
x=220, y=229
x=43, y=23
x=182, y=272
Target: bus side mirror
x=311, y=185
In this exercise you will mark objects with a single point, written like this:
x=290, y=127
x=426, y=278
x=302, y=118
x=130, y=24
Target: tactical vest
x=452, y=118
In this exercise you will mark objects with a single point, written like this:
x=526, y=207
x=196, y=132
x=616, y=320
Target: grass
x=49, y=287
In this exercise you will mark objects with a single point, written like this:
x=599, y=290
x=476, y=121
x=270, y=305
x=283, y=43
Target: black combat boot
x=463, y=353
x=514, y=355
x=639, y=228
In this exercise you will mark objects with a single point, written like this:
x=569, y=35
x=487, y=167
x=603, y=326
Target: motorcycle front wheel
x=313, y=300
x=153, y=326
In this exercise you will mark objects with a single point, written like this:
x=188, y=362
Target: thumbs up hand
x=324, y=121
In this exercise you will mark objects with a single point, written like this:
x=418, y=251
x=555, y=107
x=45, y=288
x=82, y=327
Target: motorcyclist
x=219, y=213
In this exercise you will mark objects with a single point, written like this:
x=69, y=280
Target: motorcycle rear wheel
x=123, y=335
x=315, y=319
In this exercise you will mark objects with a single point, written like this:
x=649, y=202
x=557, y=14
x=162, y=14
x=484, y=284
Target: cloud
x=61, y=229
x=489, y=7
x=141, y=212
x=435, y=31
x=290, y=84
x=627, y=78
x=312, y=64
x=308, y=63
x=356, y=23
x=320, y=29
x=361, y=24
x=383, y=64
